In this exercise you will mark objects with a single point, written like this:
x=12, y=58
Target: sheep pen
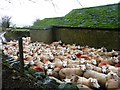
x=59, y=62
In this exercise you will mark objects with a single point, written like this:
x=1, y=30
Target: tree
x=5, y=22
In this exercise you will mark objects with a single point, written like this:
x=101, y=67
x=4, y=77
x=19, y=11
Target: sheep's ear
x=91, y=79
x=95, y=80
x=111, y=72
x=76, y=78
x=106, y=84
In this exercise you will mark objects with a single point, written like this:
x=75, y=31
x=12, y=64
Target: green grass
x=94, y=17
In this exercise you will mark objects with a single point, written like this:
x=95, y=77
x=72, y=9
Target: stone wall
x=41, y=36
x=16, y=34
x=108, y=38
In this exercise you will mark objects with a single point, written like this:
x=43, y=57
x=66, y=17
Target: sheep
x=56, y=43
x=93, y=67
x=92, y=61
x=49, y=72
x=56, y=72
x=104, y=69
x=65, y=64
x=50, y=69
x=115, y=60
x=58, y=63
x=69, y=61
x=112, y=53
x=82, y=61
x=61, y=57
x=112, y=75
x=39, y=64
x=112, y=68
x=73, y=47
x=105, y=65
x=91, y=82
x=113, y=84
x=98, y=58
x=63, y=61
x=102, y=78
x=68, y=72
x=72, y=66
x=111, y=60
x=15, y=57
x=27, y=57
x=52, y=65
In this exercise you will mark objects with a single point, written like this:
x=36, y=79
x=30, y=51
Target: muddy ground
x=12, y=80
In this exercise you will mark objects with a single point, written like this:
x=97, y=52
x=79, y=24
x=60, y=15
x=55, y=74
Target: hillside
x=94, y=17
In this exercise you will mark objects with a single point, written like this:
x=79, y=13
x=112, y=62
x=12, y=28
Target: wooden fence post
x=21, y=56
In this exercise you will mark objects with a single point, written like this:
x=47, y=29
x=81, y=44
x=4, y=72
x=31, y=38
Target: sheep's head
x=74, y=79
x=93, y=49
x=64, y=64
x=115, y=60
x=82, y=60
x=89, y=66
x=81, y=52
x=78, y=47
x=94, y=61
x=51, y=56
x=31, y=62
x=112, y=75
x=73, y=57
x=104, y=69
x=83, y=67
x=49, y=72
x=52, y=65
x=46, y=66
x=114, y=53
x=94, y=82
x=62, y=52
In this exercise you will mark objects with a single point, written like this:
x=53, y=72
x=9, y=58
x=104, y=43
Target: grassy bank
x=94, y=17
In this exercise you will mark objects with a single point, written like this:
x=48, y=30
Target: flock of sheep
x=83, y=66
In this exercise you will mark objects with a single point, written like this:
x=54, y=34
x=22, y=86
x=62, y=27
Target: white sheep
x=93, y=67
x=113, y=84
x=68, y=72
x=113, y=69
x=91, y=82
x=102, y=78
x=49, y=72
x=111, y=60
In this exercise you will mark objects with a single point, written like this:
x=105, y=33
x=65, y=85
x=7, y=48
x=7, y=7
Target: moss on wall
x=105, y=16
